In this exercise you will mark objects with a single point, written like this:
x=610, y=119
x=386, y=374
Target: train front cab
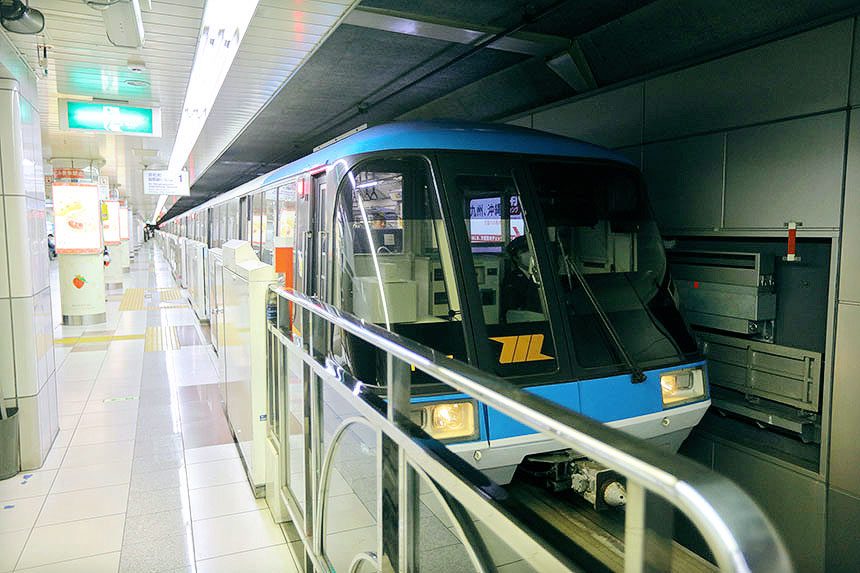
x=548, y=271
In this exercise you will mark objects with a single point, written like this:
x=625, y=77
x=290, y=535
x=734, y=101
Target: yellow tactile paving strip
x=132, y=299
x=72, y=340
x=160, y=338
x=169, y=294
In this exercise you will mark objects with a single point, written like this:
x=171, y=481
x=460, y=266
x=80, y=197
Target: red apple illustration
x=79, y=281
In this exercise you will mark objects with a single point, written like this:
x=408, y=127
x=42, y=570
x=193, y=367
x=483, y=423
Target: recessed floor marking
x=72, y=340
x=160, y=338
x=132, y=299
x=169, y=294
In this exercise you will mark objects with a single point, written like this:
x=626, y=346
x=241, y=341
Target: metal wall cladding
x=801, y=521
x=685, y=181
x=855, y=70
x=801, y=74
x=843, y=523
x=788, y=171
x=849, y=278
x=611, y=119
x=844, y=421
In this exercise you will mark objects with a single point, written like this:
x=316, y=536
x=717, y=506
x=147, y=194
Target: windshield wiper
x=636, y=373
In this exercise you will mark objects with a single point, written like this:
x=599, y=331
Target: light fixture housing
x=16, y=16
x=221, y=31
x=123, y=21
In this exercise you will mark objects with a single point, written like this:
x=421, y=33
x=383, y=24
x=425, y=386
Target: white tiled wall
x=26, y=330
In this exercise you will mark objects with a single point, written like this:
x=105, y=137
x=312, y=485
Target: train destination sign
x=162, y=182
x=110, y=118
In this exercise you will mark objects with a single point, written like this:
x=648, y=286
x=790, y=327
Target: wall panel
x=802, y=74
x=849, y=276
x=611, y=119
x=685, y=181
x=788, y=171
x=794, y=502
x=844, y=418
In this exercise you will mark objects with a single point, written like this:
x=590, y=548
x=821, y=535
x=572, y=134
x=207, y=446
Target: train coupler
x=602, y=487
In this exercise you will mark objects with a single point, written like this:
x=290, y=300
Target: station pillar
x=113, y=271
x=28, y=384
x=82, y=289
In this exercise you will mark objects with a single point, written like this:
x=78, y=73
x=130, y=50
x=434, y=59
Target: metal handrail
x=739, y=535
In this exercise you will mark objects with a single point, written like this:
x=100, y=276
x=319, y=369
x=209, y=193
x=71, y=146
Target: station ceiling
x=309, y=70
x=422, y=59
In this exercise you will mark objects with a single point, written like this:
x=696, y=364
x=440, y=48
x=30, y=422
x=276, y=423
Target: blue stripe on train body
x=604, y=399
x=448, y=135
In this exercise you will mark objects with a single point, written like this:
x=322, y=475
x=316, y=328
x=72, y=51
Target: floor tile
x=12, y=544
x=161, y=479
x=155, y=501
x=149, y=526
x=83, y=504
x=93, y=454
x=27, y=484
x=87, y=477
x=103, y=434
x=73, y=540
x=219, y=472
x=64, y=437
x=345, y=512
x=105, y=563
x=341, y=548
x=221, y=500
x=161, y=554
x=208, y=433
x=54, y=458
x=233, y=533
x=19, y=514
x=275, y=559
x=68, y=408
x=211, y=453
x=105, y=419
x=157, y=461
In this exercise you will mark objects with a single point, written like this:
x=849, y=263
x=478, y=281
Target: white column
x=26, y=330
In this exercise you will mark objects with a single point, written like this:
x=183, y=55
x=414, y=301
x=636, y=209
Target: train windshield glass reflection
x=597, y=220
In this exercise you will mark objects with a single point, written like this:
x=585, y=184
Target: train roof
x=449, y=135
x=428, y=135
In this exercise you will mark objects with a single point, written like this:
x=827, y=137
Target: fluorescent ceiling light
x=162, y=199
x=224, y=24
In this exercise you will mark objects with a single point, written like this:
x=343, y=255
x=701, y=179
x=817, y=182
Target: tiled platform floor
x=144, y=476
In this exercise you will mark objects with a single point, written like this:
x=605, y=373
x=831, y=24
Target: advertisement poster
x=123, y=223
x=77, y=219
x=110, y=225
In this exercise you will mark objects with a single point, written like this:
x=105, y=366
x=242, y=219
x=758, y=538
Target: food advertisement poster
x=110, y=226
x=123, y=223
x=77, y=219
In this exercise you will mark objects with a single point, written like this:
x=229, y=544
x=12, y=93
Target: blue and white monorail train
x=528, y=255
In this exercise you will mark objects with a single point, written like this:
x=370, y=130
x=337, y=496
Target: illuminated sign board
x=77, y=219
x=110, y=118
x=162, y=182
x=123, y=223
x=111, y=225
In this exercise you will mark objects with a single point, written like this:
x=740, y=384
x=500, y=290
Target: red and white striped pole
x=791, y=250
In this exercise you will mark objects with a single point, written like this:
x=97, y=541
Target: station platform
x=144, y=474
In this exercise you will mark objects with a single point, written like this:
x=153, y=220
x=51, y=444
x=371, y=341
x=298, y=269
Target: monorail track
x=599, y=534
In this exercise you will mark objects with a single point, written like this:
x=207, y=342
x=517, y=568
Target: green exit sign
x=110, y=118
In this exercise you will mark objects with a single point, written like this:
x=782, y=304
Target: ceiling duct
x=123, y=22
x=572, y=67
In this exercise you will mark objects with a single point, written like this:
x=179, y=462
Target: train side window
x=267, y=225
x=256, y=224
x=392, y=262
x=508, y=278
x=287, y=214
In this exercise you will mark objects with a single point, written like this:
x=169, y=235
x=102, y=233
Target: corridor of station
x=144, y=474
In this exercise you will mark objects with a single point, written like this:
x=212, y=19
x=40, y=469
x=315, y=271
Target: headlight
x=447, y=420
x=682, y=386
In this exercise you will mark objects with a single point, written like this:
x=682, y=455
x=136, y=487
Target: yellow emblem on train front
x=522, y=348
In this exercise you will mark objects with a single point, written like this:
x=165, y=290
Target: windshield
x=597, y=222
